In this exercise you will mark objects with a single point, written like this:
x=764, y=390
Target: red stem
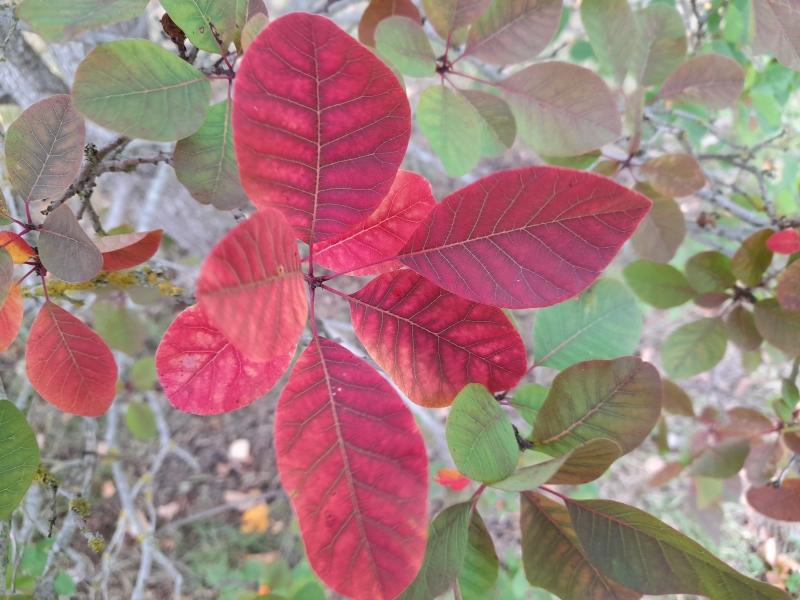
x=44, y=287
x=473, y=78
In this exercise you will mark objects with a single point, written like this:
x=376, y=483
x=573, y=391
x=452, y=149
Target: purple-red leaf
x=128, y=250
x=353, y=463
x=252, y=290
x=203, y=374
x=432, y=342
x=320, y=125
x=383, y=233
x=525, y=238
x=777, y=502
x=69, y=364
x=711, y=79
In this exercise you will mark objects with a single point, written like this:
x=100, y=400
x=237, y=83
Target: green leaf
x=480, y=436
x=528, y=400
x=451, y=125
x=532, y=476
x=63, y=585
x=19, y=457
x=639, y=551
x=404, y=43
x=205, y=162
x=139, y=89
x=694, y=348
x=603, y=322
x=779, y=327
x=122, y=329
x=724, y=460
x=445, y=552
x=553, y=558
x=195, y=18
x=662, y=230
x=587, y=462
x=141, y=421
x=741, y=329
x=143, y=374
x=498, y=126
x=709, y=272
x=447, y=16
x=610, y=26
x=658, y=284
x=252, y=28
x=615, y=399
x=675, y=400
x=4, y=214
x=480, y=568
x=662, y=36
x=62, y=20
x=752, y=258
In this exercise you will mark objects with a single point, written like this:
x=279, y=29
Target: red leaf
x=452, y=479
x=353, y=463
x=252, y=290
x=320, y=125
x=383, y=233
x=127, y=250
x=18, y=248
x=781, y=503
x=525, y=238
x=786, y=241
x=432, y=342
x=203, y=374
x=10, y=317
x=69, y=365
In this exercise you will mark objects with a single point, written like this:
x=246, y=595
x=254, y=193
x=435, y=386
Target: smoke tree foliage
x=656, y=111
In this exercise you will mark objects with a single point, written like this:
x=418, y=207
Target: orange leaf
x=10, y=317
x=127, y=250
x=69, y=365
x=19, y=249
x=452, y=479
x=255, y=519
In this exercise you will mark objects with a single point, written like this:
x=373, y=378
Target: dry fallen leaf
x=255, y=519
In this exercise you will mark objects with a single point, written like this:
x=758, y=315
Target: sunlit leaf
x=752, y=258
x=452, y=479
x=141, y=421
x=694, y=348
x=121, y=328
x=377, y=11
x=562, y=109
x=320, y=125
x=69, y=365
x=480, y=436
x=498, y=126
x=10, y=317
x=62, y=20
x=661, y=232
x=203, y=373
x=451, y=125
x=480, y=567
x=662, y=36
x=513, y=31
x=742, y=330
x=674, y=174
x=639, y=551
x=611, y=27
x=141, y=90
x=675, y=399
x=65, y=249
x=16, y=246
x=603, y=322
x=128, y=250
x=255, y=270
x=721, y=461
x=195, y=18
x=786, y=241
x=709, y=272
x=404, y=43
x=710, y=79
x=524, y=238
x=432, y=342
x=448, y=15
x=364, y=249
x=345, y=443
x=779, y=327
x=619, y=400
x=19, y=457
x=777, y=30
x=553, y=558
x=658, y=284
x=44, y=148
x=780, y=502
x=788, y=292
x=206, y=164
